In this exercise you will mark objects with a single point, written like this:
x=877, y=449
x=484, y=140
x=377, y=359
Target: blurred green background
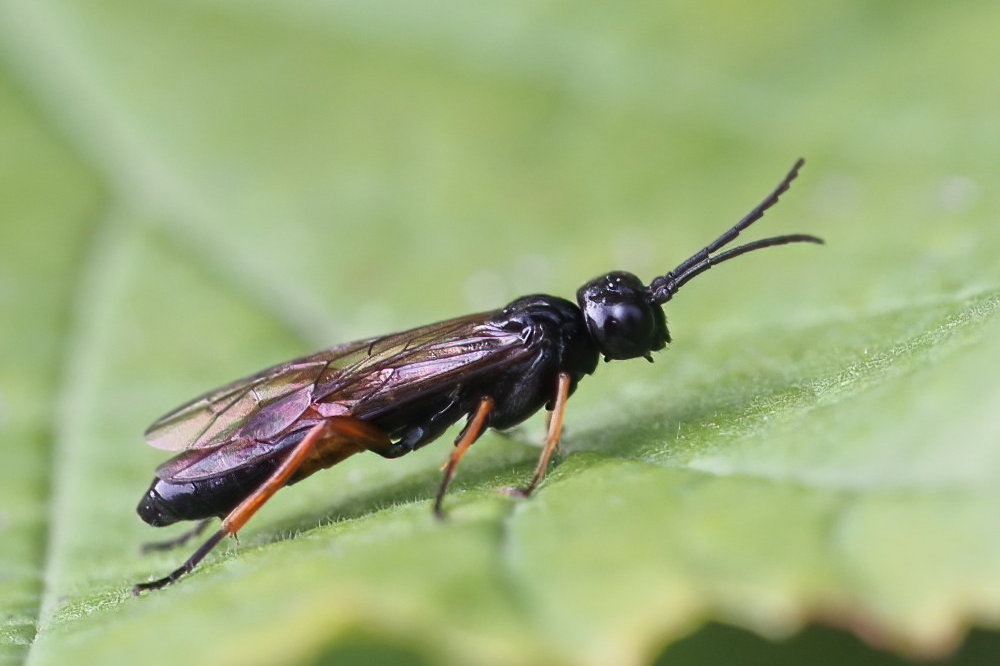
x=193, y=190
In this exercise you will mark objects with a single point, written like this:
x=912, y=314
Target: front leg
x=551, y=437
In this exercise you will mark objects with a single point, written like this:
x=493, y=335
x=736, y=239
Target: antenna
x=663, y=288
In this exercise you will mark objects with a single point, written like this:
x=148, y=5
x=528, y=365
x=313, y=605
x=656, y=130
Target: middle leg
x=473, y=429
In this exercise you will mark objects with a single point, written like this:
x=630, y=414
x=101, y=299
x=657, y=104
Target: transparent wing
x=359, y=379
x=344, y=437
x=282, y=392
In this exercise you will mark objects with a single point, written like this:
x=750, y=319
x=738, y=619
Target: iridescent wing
x=359, y=379
x=218, y=416
x=347, y=437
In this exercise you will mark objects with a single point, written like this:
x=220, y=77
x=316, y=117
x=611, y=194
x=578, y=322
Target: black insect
x=391, y=395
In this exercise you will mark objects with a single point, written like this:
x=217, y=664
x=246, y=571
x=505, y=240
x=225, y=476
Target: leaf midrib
x=48, y=73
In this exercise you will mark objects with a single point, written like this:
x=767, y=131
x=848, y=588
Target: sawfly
x=392, y=394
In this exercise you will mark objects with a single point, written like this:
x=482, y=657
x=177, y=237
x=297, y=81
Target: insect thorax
x=555, y=328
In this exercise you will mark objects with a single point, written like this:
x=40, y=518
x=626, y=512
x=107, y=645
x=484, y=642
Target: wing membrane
x=282, y=392
x=398, y=368
x=359, y=379
x=346, y=437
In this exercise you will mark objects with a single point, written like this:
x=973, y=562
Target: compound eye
x=624, y=317
x=625, y=331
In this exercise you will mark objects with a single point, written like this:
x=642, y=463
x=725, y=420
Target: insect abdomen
x=166, y=503
x=178, y=497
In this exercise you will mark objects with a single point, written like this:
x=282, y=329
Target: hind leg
x=170, y=544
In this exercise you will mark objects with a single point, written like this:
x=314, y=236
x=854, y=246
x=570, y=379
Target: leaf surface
x=197, y=190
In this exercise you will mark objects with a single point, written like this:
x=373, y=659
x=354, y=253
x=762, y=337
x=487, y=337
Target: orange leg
x=238, y=517
x=469, y=435
x=553, y=435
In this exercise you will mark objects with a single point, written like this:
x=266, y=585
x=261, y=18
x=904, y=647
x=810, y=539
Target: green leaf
x=196, y=190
